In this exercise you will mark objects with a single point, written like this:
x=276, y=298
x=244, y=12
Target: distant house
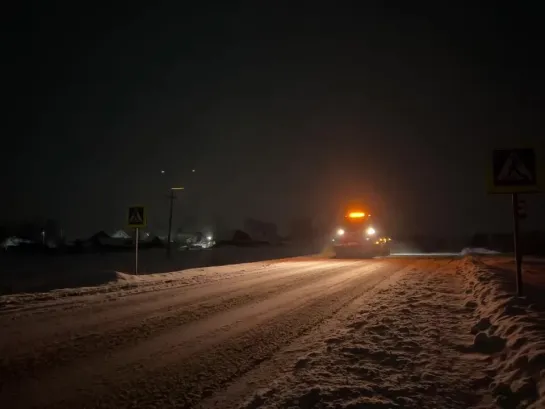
x=13, y=242
x=261, y=231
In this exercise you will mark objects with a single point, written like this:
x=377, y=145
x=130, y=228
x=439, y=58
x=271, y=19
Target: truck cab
x=357, y=235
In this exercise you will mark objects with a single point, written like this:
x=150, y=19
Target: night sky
x=284, y=112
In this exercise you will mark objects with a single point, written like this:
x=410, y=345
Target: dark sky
x=283, y=111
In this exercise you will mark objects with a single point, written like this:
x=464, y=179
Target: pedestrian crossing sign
x=136, y=216
x=514, y=171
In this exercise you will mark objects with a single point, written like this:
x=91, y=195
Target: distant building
x=262, y=231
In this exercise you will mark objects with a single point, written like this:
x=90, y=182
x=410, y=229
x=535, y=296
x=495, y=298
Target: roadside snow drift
x=40, y=273
x=477, y=250
x=511, y=331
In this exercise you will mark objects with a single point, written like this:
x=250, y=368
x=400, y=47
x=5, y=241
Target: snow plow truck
x=357, y=236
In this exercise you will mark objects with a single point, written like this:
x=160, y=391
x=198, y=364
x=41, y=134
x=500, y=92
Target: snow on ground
x=113, y=271
x=408, y=344
x=511, y=330
x=41, y=273
x=477, y=250
x=172, y=348
x=125, y=285
x=443, y=336
x=413, y=332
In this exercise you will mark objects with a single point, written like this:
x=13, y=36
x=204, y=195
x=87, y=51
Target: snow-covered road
x=298, y=333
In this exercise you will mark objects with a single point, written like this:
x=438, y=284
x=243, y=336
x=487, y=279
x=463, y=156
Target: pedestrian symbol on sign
x=514, y=170
x=137, y=216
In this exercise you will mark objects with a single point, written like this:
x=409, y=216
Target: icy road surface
x=300, y=333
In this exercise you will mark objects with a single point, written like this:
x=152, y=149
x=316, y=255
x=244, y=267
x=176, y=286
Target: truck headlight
x=340, y=232
x=370, y=231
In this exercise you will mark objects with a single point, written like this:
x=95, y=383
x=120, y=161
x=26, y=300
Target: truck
x=357, y=235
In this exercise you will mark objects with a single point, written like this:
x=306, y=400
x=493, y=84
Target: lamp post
x=171, y=197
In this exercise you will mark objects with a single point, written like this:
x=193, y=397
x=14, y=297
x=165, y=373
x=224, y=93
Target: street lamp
x=171, y=197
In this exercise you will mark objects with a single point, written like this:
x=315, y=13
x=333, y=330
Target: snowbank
x=511, y=331
x=39, y=273
x=404, y=248
x=477, y=250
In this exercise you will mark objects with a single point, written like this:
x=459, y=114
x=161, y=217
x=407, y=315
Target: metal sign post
x=516, y=243
x=136, y=251
x=137, y=219
x=515, y=171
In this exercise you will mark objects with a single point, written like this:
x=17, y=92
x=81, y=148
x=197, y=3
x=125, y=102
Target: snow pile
x=477, y=250
x=120, y=234
x=123, y=284
x=39, y=273
x=511, y=331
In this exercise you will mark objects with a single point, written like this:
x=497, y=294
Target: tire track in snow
x=376, y=353
x=139, y=304
x=192, y=360
x=288, y=358
x=24, y=306
x=96, y=318
x=107, y=334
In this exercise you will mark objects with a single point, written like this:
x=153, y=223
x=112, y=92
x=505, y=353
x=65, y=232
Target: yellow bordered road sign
x=137, y=216
x=514, y=171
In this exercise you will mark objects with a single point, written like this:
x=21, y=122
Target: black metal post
x=517, y=247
